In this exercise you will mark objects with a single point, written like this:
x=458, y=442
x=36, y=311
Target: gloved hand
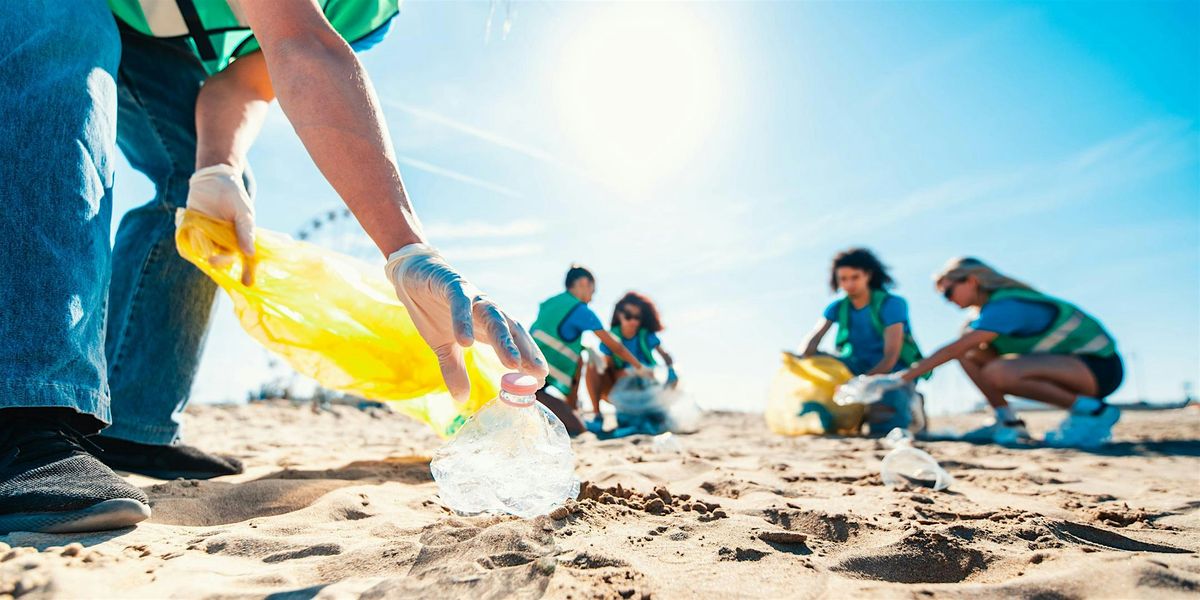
x=450, y=314
x=672, y=378
x=219, y=192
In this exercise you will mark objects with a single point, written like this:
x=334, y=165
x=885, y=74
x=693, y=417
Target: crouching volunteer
x=1028, y=344
x=558, y=332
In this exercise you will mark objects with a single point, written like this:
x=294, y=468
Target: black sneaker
x=164, y=462
x=50, y=484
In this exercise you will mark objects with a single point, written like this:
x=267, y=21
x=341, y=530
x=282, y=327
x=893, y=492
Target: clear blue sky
x=717, y=155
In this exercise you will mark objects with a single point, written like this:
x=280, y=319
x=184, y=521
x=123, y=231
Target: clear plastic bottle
x=905, y=464
x=512, y=456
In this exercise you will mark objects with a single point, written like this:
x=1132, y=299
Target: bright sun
x=638, y=91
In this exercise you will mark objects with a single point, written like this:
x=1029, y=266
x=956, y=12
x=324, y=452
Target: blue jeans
x=159, y=304
x=67, y=91
x=58, y=121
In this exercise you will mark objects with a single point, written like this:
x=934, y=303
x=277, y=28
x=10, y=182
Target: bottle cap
x=520, y=384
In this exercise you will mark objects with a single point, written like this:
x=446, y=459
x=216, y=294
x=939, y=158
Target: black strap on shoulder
x=199, y=36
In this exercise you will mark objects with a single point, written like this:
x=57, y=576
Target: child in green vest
x=1031, y=345
x=873, y=335
x=635, y=322
x=558, y=332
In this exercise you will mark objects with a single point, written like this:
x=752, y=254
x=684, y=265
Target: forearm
x=328, y=98
x=813, y=341
x=666, y=357
x=230, y=110
x=885, y=365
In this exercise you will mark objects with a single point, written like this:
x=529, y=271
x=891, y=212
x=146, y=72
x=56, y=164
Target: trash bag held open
x=336, y=319
x=800, y=401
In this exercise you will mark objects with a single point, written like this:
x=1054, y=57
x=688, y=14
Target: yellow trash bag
x=337, y=320
x=800, y=401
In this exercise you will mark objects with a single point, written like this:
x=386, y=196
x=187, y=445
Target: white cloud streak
x=459, y=177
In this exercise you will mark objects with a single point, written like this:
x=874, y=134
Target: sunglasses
x=632, y=316
x=949, y=291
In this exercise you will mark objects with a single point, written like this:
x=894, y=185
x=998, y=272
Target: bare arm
x=331, y=103
x=666, y=357
x=893, y=340
x=230, y=111
x=815, y=336
x=949, y=352
x=619, y=349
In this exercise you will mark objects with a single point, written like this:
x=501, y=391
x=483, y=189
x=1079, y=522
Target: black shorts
x=1108, y=371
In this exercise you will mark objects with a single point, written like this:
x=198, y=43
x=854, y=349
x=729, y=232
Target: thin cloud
x=421, y=165
x=491, y=252
x=483, y=135
x=481, y=229
x=1152, y=148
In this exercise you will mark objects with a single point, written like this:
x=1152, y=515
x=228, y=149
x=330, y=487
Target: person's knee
x=977, y=357
x=1000, y=374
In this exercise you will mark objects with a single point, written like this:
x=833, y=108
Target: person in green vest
x=93, y=336
x=635, y=322
x=874, y=336
x=558, y=331
x=1029, y=344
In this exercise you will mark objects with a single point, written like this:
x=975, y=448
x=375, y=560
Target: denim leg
x=159, y=304
x=58, y=64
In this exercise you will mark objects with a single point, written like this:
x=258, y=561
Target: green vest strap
x=562, y=356
x=1071, y=332
x=643, y=341
x=909, y=351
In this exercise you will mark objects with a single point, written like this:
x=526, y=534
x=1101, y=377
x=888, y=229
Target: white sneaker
x=1085, y=430
x=1011, y=432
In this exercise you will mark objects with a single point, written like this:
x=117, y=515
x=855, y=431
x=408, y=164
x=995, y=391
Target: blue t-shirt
x=372, y=39
x=634, y=347
x=866, y=344
x=1010, y=316
x=580, y=319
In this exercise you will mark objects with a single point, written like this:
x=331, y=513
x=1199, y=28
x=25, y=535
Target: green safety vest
x=562, y=356
x=909, y=352
x=218, y=34
x=1072, y=331
x=643, y=340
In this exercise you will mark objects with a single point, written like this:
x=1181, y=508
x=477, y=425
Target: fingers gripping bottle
x=512, y=456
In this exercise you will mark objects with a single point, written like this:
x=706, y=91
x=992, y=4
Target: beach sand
x=342, y=504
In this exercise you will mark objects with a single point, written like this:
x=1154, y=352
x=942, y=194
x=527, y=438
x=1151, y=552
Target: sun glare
x=638, y=91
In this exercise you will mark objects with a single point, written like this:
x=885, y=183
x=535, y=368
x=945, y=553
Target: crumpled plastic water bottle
x=512, y=456
x=866, y=389
x=905, y=464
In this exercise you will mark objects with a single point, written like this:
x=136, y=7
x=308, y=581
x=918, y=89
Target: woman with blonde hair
x=1029, y=344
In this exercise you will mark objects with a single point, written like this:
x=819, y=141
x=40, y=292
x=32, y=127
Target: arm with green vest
x=328, y=98
x=954, y=350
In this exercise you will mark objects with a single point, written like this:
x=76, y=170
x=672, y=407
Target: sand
x=342, y=504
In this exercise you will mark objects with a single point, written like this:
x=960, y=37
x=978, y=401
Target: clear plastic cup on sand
x=513, y=456
x=906, y=465
x=666, y=443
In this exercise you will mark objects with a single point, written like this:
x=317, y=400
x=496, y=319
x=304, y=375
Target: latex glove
x=451, y=314
x=672, y=378
x=219, y=192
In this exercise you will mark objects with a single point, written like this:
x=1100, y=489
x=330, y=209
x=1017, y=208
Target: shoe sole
x=172, y=475
x=110, y=514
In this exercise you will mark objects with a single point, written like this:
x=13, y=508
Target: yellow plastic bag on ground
x=337, y=320
x=800, y=401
